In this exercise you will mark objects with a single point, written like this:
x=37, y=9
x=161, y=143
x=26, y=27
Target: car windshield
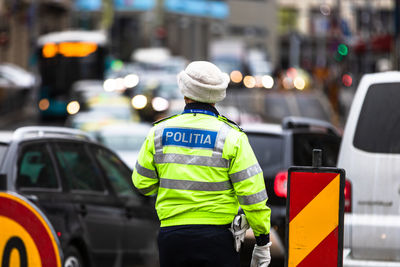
x=227, y=64
x=169, y=90
x=276, y=107
x=268, y=150
x=312, y=107
x=3, y=150
x=279, y=105
x=118, y=113
x=260, y=67
x=123, y=142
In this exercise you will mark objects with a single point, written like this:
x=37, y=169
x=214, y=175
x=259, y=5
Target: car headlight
x=139, y=101
x=73, y=107
x=160, y=104
x=131, y=80
x=267, y=81
x=44, y=104
x=109, y=85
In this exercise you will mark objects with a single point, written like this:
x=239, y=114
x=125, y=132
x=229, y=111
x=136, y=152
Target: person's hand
x=261, y=256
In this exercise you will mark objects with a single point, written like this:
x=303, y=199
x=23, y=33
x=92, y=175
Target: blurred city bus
x=63, y=58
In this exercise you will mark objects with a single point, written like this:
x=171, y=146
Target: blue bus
x=64, y=58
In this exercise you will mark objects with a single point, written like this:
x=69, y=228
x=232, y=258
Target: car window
x=268, y=150
x=304, y=143
x=35, y=168
x=378, y=125
x=79, y=170
x=116, y=172
x=3, y=150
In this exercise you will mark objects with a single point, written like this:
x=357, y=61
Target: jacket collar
x=201, y=106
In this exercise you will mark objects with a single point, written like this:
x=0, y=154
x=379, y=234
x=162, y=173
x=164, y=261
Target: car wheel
x=73, y=258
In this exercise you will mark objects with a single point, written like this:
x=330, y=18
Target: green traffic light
x=117, y=64
x=343, y=49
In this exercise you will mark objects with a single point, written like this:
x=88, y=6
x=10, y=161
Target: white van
x=370, y=155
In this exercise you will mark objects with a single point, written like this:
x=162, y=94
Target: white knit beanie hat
x=203, y=81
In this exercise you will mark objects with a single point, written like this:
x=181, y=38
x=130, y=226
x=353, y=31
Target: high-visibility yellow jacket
x=202, y=167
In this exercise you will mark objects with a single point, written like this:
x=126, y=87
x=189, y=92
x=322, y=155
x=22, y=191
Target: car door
x=98, y=211
x=38, y=180
x=140, y=221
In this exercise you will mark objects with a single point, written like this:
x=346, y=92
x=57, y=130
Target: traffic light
x=117, y=65
x=343, y=49
x=347, y=80
x=341, y=52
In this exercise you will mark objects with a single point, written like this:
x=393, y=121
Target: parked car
x=370, y=155
x=124, y=139
x=16, y=86
x=85, y=190
x=13, y=76
x=280, y=146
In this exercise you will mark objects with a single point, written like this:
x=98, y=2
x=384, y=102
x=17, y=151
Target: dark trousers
x=197, y=246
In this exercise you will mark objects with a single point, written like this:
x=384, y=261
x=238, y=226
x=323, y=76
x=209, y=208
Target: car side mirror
x=3, y=182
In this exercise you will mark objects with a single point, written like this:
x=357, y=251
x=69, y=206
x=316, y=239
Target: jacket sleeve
x=144, y=176
x=248, y=181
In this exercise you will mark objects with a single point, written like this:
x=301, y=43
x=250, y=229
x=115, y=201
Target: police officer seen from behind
x=201, y=167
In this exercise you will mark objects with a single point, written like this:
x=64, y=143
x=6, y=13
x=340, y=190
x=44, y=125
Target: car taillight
x=347, y=196
x=280, y=184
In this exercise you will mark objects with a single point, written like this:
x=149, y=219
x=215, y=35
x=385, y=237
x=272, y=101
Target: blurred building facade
x=22, y=21
x=185, y=26
x=293, y=33
x=337, y=41
x=312, y=30
x=255, y=22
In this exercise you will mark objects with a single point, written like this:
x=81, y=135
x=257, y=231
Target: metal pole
x=317, y=158
x=396, y=38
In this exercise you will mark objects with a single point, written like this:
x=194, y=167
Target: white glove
x=261, y=256
x=238, y=228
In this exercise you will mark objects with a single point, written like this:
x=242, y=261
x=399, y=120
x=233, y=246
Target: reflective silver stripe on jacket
x=245, y=174
x=253, y=199
x=220, y=142
x=191, y=160
x=145, y=172
x=194, y=185
x=147, y=190
x=158, y=139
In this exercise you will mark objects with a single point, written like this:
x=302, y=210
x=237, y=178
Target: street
x=117, y=117
x=247, y=109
